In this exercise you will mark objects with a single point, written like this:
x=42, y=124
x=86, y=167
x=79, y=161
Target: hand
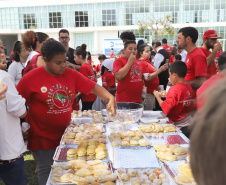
x=3, y=90
x=217, y=47
x=164, y=67
x=132, y=58
x=156, y=93
x=111, y=107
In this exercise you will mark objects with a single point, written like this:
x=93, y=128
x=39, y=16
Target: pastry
x=69, y=135
x=101, y=155
x=125, y=143
x=81, y=151
x=140, y=171
x=121, y=171
x=116, y=143
x=158, y=171
x=166, y=157
x=162, y=176
x=130, y=133
x=165, y=180
x=90, y=151
x=109, y=183
x=138, y=133
x=125, y=177
x=83, y=183
x=71, y=153
x=135, y=182
x=101, y=146
x=159, y=146
x=134, y=142
x=143, y=142
x=169, y=128
x=157, y=182
x=147, y=182
x=90, y=179
x=83, y=173
x=142, y=177
x=95, y=162
x=132, y=172
x=106, y=178
x=174, y=146
x=148, y=171
x=152, y=176
x=127, y=139
x=122, y=134
x=99, y=166
x=95, y=183
x=99, y=172
x=66, y=177
x=180, y=151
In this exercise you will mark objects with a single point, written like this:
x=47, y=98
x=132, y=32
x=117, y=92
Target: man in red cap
x=210, y=42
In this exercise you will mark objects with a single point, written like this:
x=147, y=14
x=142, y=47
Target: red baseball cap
x=210, y=34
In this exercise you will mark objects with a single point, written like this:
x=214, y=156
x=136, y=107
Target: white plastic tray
x=130, y=158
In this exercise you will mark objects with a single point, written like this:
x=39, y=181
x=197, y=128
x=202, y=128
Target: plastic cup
x=146, y=76
x=25, y=126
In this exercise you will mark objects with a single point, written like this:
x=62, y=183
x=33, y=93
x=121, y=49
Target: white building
x=93, y=21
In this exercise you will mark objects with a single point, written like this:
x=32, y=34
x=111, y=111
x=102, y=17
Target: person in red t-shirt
x=202, y=93
x=49, y=91
x=165, y=46
x=112, y=53
x=195, y=60
x=180, y=97
x=172, y=54
x=129, y=75
x=152, y=82
x=210, y=42
x=101, y=58
x=87, y=70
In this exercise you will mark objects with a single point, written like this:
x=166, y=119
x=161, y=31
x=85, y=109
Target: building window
x=81, y=19
x=55, y=20
x=29, y=21
x=108, y=18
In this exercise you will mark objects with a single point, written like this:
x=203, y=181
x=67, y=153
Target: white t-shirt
x=15, y=70
x=11, y=108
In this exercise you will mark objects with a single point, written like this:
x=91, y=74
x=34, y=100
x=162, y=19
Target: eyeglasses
x=64, y=38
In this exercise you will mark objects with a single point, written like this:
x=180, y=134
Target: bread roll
x=125, y=177
x=158, y=171
x=84, y=173
x=135, y=182
x=132, y=172
x=81, y=152
x=105, y=178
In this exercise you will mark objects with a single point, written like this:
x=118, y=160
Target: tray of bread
x=170, y=152
x=130, y=138
x=82, y=172
x=77, y=138
x=85, y=150
x=134, y=176
x=158, y=128
x=180, y=171
x=85, y=127
x=133, y=158
x=92, y=114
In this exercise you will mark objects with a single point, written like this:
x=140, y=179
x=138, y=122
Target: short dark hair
x=16, y=51
x=51, y=48
x=81, y=51
x=191, y=32
x=102, y=57
x=156, y=43
x=129, y=42
x=127, y=35
x=178, y=57
x=141, y=49
x=153, y=53
x=164, y=41
x=63, y=31
x=139, y=43
x=222, y=61
x=179, y=68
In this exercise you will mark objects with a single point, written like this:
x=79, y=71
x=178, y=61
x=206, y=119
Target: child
x=12, y=107
x=50, y=95
x=108, y=80
x=87, y=70
x=129, y=75
x=101, y=58
x=180, y=98
x=3, y=64
x=177, y=57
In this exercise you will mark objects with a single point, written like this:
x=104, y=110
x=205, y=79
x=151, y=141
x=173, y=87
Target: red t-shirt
x=167, y=48
x=108, y=80
x=90, y=61
x=171, y=60
x=202, y=97
x=32, y=64
x=211, y=70
x=179, y=102
x=111, y=53
x=148, y=67
x=196, y=64
x=50, y=104
x=88, y=72
x=98, y=68
x=130, y=88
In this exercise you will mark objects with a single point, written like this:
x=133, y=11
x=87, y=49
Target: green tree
x=157, y=27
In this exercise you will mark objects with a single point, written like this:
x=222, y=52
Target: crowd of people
x=48, y=78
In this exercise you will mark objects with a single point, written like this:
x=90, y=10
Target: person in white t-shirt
x=12, y=147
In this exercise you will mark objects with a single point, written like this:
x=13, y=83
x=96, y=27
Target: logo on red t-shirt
x=59, y=97
x=135, y=73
